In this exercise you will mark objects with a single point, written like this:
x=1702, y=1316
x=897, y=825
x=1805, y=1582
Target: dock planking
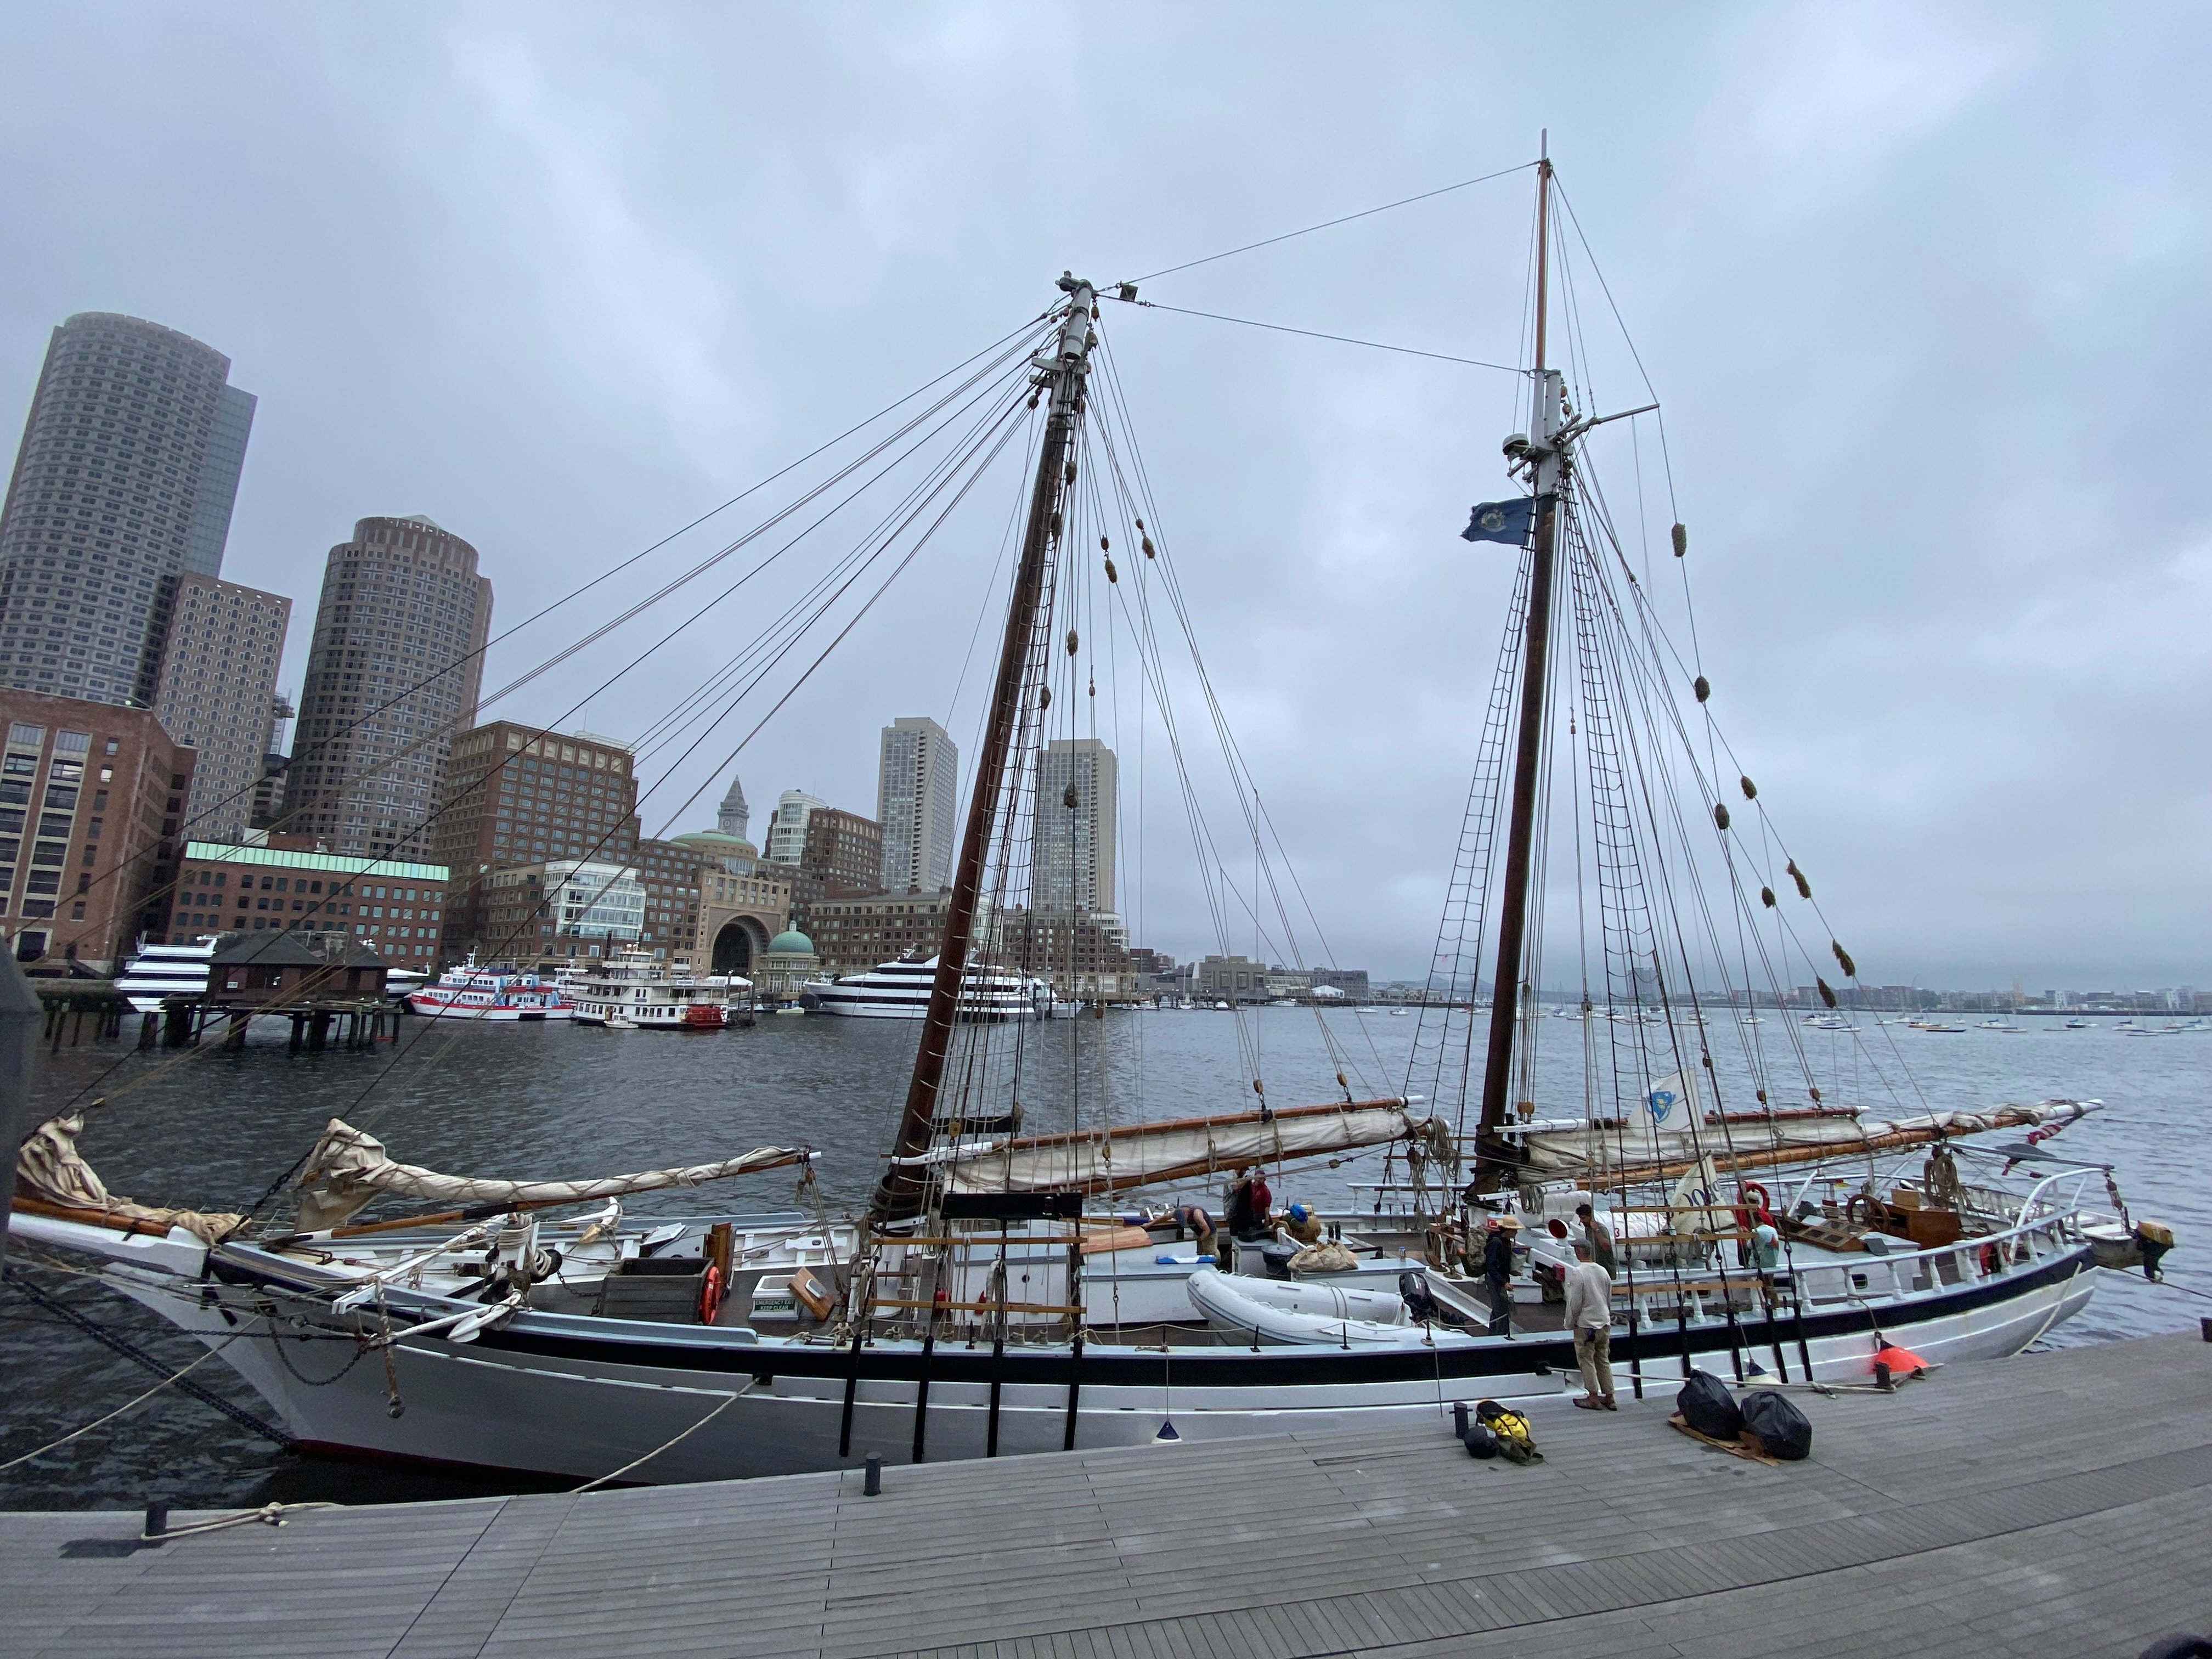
x=2056, y=1502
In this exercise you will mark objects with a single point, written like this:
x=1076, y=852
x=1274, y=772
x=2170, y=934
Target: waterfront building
x=218, y=692
x=744, y=901
x=1231, y=979
x=855, y=933
x=513, y=795
x=392, y=675
x=1074, y=952
x=787, y=829
x=1078, y=785
x=671, y=873
x=92, y=800
x=733, y=816
x=786, y=966
x=394, y=908
x=841, y=857
x=292, y=969
x=917, y=787
x=124, y=481
x=1352, y=981
x=564, y=910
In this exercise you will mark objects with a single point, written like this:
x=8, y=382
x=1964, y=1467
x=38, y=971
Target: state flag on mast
x=1501, y=521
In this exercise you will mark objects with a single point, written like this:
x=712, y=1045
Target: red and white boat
x=491, y=991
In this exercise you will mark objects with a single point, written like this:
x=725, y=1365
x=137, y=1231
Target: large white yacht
x=631, y=989
x=166, y=970
x=899, y=990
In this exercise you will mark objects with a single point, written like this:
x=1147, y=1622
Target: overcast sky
x=1924, y=289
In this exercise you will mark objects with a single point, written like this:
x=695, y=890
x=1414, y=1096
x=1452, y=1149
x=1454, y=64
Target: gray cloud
x=1923, y=292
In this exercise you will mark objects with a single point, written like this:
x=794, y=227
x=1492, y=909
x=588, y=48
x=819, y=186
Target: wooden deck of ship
x=2059, y=1503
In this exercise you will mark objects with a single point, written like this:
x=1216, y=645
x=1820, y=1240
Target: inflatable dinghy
x=1273, y=1311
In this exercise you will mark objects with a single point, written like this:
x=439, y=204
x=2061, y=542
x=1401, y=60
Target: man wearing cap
x=1497, y=1272
x=1589, y=1316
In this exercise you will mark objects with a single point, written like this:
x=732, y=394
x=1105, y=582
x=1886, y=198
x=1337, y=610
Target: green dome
x=791, y=943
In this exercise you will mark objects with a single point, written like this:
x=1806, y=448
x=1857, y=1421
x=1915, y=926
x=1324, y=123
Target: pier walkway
x=2058, y=1504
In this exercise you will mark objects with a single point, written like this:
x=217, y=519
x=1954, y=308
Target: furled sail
x=49, y=1171
x=1140, y=1154
x=349, y=1170
x=1660, y=1143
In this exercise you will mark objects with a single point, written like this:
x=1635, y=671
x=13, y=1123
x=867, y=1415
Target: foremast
x=1061, y=372
x=1542, y=455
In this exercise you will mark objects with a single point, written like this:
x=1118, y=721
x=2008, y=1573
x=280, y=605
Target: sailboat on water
x=1010, y=1292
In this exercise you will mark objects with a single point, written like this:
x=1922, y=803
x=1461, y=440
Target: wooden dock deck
x=2059, y=1503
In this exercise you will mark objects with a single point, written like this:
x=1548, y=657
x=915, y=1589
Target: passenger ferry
x=631, y=989
x=899, y=990
x=490, y=991
x=166, y=970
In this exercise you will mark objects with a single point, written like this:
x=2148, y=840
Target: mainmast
x=900, y=1193
x=1546, y=457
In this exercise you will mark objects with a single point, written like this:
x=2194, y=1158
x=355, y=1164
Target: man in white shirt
x=1589, y=1316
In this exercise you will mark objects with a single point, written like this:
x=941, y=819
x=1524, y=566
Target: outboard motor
x=1421, y=1301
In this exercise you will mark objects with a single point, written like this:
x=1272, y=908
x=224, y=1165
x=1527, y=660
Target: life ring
x=1873, y=1208
x=710, y=1294
x=1763, y=1208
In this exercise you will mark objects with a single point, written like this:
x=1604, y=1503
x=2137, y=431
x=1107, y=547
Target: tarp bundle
x=1139, y=1154
x=49, y=1169
x=1656, y=1145
x=349, y=1170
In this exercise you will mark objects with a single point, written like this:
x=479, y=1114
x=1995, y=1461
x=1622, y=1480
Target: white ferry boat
x=631, y=989
x=899, y=990
x=489, y=991
x=166, y=970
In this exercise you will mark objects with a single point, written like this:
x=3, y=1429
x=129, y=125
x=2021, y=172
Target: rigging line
x=1330, y=224
x=1627, y=339
x=1316, y=334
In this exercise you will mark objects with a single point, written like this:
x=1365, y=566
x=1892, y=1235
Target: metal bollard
x=872, y=1484
x=1459, y=1417
x=157, y=1518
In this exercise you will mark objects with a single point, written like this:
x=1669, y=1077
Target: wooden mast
x=1547, y=465
x=899, y=1195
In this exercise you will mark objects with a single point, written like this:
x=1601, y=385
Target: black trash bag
x=1480, y=1442
x=1707, y=1405
x=1779, y=1427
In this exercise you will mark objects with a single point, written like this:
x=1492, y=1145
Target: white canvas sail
x=1140, y=1154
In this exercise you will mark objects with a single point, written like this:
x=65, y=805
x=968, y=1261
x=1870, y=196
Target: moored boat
x=489, y=992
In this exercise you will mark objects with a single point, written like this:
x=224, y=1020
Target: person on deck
x=1601, y=1239
x=1200, y=1224
x=1302, y=1225
x=1248, y=1203
x=1589, y=1316
x=1497, y=1272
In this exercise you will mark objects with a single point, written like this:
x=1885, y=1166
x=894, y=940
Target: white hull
x=524, y=1398
x=434, y=1008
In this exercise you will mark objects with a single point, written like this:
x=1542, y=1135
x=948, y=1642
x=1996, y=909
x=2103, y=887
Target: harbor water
x=213, y=1130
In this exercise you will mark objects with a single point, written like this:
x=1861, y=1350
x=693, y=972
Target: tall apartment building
x=392, y=676
x=1078, y=785
x=217, y=687
x=268, y=788
x=124, y=481
x=515, y=796
x=841, y=857
x=787, y=828
x=917, y=787
x=91, y=802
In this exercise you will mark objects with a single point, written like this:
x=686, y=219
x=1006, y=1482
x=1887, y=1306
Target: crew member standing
x=1589, y=1316
x=1497, y=1272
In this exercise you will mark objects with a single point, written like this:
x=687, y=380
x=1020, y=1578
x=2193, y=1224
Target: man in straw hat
x=1497, y=1272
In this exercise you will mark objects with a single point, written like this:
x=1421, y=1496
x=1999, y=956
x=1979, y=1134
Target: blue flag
x=1501, y=521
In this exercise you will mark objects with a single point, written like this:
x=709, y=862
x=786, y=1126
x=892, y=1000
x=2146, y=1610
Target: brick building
x=841, y=856
x=392, y=908
x=852, y=935
x=91, y=799
x=1079, y=955
x=670, y=873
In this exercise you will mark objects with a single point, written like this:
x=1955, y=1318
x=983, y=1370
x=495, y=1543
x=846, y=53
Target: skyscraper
x=1075, y=843
x=917, y=784
x=392, y=677
x=786, y=830
x=218, y=685
x=733, y=815
x=124, y=481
